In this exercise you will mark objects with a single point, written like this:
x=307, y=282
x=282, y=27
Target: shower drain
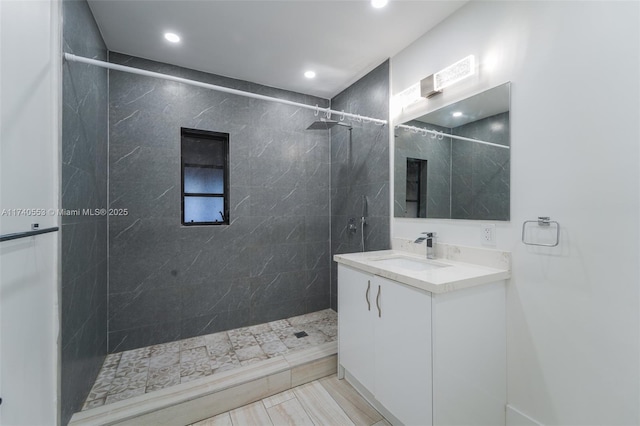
x=300, y=334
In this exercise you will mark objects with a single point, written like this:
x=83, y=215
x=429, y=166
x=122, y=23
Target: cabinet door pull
x=367, y=294
x=378, y=303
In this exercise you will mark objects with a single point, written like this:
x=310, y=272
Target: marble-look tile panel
x=146, y=307
x=215, y=322
x=149, y=335
x=360, y=166
x=480, y=173
x=437, y=153
x=83, y=185
x=272, y=311
x=279, y=176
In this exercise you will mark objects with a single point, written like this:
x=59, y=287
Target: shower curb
x=200, y=399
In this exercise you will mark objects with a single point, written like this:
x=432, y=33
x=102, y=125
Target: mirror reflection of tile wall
x=480, y=173
x=465, y=180
x=437, y=153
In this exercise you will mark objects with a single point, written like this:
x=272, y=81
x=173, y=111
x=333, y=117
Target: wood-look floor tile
x=356, y=407
x=251, y=415
x=278, y=398
x=223, y=419
x=290, y=413
x=322, y=408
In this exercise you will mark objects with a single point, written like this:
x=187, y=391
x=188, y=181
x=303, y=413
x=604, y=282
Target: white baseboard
x=517, y=418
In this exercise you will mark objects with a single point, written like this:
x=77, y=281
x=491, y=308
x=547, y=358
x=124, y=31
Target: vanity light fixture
x=172, y=37
x=454, y=73
x=433, y=85
x=427, y=87
x=409, y=96
x=310, y=74
x=378, y=4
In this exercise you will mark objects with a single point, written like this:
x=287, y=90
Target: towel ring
x=544, y=221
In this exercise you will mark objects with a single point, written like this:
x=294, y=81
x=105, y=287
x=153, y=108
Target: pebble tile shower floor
x=135, y=372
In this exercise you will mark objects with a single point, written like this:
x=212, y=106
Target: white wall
x=573, y=311
x=29, y=178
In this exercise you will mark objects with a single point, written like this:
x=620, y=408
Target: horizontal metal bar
x=436, y=133
x=116, y=67
x=16, y=235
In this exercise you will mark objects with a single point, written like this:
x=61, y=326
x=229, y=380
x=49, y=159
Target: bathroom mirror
x=454, y=162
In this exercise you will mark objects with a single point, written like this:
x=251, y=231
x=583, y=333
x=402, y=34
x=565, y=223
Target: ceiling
x=270, y=42
x=482, y=105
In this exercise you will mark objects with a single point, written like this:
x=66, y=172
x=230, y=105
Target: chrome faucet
x=431, y=244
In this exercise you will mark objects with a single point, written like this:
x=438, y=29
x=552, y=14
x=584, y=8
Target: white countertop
x=455, y=275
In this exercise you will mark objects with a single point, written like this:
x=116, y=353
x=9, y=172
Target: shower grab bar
x=542, y=221
x=17, y=235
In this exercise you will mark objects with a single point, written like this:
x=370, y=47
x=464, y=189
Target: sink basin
x=407, y=263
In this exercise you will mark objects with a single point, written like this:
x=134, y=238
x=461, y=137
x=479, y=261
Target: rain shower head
x=324, y=124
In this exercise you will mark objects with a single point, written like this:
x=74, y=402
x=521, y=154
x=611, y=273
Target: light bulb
x=172, y=37
x=379, y=3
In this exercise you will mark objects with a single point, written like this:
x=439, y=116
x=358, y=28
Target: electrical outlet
x=488, y=236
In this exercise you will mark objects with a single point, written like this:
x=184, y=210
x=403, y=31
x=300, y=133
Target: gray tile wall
x=171, y=282
x=438, y=154
x=480, y=182
x=360, y=167
x=84, y=186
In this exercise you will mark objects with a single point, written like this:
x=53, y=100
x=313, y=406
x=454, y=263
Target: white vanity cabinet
x=423, y=358
x=385, y=342
x=355, y=324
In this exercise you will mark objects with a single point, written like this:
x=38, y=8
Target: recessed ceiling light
x=457, y=114
x=379, y=3
x=310, y=74
x=172, y=37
